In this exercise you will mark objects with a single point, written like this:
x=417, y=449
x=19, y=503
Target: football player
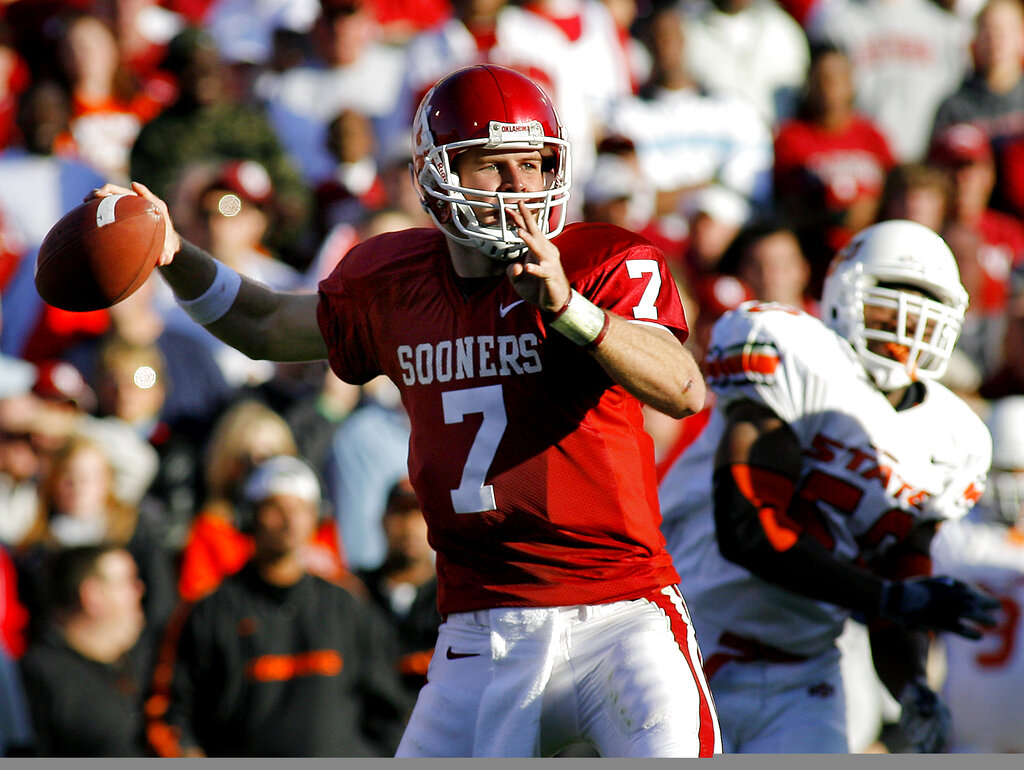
x=983, y=680
x=831, y=456
x=523, y=348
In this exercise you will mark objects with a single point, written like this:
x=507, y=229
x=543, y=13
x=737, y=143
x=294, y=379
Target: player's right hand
x=539, y=277
x=938, y=604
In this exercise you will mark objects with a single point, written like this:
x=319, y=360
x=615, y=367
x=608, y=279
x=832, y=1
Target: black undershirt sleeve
x=806, y=568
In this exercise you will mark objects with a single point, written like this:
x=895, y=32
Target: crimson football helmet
x=494, y=107
x=906, y=269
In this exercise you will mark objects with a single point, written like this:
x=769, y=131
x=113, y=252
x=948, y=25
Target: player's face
x=499, y=171
x=887, y=318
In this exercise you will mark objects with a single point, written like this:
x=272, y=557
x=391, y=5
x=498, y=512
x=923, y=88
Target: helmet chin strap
x=503, y=251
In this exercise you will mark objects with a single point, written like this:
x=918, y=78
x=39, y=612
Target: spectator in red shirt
x=830, y=162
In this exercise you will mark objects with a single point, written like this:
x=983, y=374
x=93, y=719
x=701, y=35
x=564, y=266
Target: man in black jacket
x=278, y=662
x=84, y=676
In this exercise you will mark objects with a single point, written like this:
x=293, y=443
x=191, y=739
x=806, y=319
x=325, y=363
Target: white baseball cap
x=720, y=203
x=282, y=475
x=613, y=179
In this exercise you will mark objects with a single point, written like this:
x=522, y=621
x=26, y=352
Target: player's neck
x=467, y=262
x=904, y=398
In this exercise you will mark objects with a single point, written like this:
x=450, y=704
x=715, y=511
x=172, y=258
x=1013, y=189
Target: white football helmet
x=496, y=107
x=884, y=267
x=1003, y=499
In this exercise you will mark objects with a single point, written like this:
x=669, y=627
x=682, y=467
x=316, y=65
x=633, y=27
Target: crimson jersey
x=533, y=469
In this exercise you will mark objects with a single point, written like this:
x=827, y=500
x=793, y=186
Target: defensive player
x=830, y=457
x=523, y=349
x=983, y=680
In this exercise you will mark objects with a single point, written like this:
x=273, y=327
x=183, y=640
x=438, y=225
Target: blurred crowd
x=143, y=462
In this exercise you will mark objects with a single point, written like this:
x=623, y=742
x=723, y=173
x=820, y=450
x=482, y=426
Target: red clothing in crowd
x=1001, y=249
x=830, y=170
x=215, y=548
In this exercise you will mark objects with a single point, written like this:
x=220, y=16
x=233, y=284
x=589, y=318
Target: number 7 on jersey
x=473, y=496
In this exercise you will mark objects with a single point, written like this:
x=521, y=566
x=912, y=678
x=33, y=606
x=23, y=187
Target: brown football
x=99, y=252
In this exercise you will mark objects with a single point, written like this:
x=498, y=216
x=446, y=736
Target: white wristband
x=581, y=320
x=213, y=303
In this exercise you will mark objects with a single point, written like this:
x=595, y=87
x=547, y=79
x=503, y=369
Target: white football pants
x=625, y=677
x=782, y=708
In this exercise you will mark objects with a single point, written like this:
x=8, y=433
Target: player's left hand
x=924, y=719
x=939, y=603
x=538, y=277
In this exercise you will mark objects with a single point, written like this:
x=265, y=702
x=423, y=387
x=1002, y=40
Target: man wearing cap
x=988, y=244
x=278, y=662
x=233, y=206
x=991, y=97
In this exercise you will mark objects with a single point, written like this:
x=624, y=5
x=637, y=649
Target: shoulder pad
x=748, y=343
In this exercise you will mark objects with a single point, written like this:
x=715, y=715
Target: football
x=99, y=253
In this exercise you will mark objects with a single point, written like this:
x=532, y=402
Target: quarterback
x=831, y=456
x=523, y=348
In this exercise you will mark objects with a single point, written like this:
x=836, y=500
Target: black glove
x=924, y=721
x=938, y=604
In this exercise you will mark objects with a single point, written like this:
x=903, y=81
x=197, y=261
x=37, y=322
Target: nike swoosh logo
x=503, y=310
x=455, y=655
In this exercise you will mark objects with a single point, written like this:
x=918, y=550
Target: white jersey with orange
x=983, y=679
x=870, y=474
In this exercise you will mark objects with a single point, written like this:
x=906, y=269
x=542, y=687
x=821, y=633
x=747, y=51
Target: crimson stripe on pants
x=682, y=631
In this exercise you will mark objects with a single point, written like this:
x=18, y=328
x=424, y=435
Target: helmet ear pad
x=441, y=210
x=436, y=208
